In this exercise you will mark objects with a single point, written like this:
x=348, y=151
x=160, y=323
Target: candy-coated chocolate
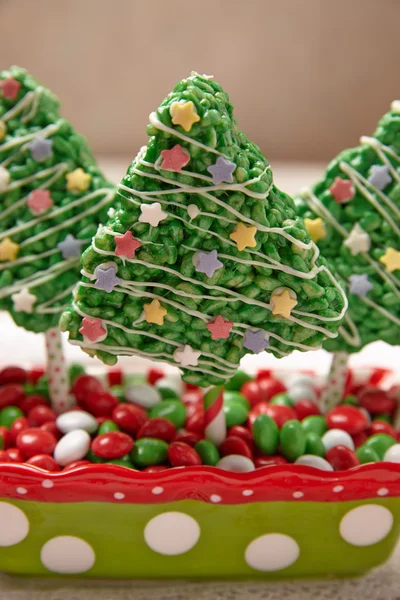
x=9, y=414
x=173, y=410
x=314, y=444
x=342, y=458
x=76, y=464
x=235, y=396
x=76, y=419
x=266, y=434
x=292, y=440
x=235, y=413
x=315, y=423
x=154, y=375
x=311, y=460
x=238, y=380
x=38, y=415
x=305, y=408
x=15, y=455
x=242, y=432
x=251, y=391
x=382, y=417
x=113, y=444
x=11, y=394
x=302, y=391
x=101, y=404
x=280, y=414
x=44, y=461
x=12, y=374
x=5, y=437
x=18, y=425
x=159, y=428
x=282, y=399
x=380, y=442
x=33, y=441
x=129, y=418
x=189, y=437
x=148, y=452
x=351, y=400
x=235, y=445
x=182, y=455
x=107, y=426
x=143, y=395
x=236, y=463
x=4, y=457
x=120, y=462
x=337, y=437
x=347, y=417
x=115, y=376
x=195, y=422
x=392, y=454
x=270, y=461
x=208, y=452
x=270, y=388
x=71, y=447
x=367, y=455
x=32, y=401
x=51, y=427
x=83, y=386
x=381, y=427
x=359, y=439
x=376, y=401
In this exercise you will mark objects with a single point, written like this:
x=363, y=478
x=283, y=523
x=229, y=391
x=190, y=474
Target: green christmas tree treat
x=205, y=260
x=52, y=196
x=353, y=215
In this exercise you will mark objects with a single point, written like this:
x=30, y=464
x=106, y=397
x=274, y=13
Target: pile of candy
x=153, y=425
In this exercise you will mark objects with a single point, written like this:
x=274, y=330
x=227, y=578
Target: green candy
x=314, y=445
x=167, y=393
x=350, y=399
x=107, y=426
x=93, y=457
x=124, y=461
x=365, y=454
x=119, y=392
x=208, y=452
x=148, y=452
x=386, y=418
x=74, y=370
x=282, y=400
x=236, y=382
x=9, y=414
x=42, y=386
x=234, y=396
x=380, y=442
x=235, y=413
x=266, y=434
x=292, y=440
x=314, y=424
x=173, y=410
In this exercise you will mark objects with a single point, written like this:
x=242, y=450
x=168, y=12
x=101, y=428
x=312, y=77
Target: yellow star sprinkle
x=154, y=312
x=8, y=249
x=3, y=130
x=316, y=228
x=78, y=180
x=282, y=301
x=244, y=236
x=391, y=259
x=184, y=114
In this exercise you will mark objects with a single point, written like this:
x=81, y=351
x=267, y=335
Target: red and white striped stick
x=214, y=417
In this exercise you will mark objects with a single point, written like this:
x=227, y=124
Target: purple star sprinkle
x=106, y=279
x=360, y=285
x=41, y=149
x=379, y=176
x=207, y=262
x=222, y=171
x=254, y=340
x=70, y=247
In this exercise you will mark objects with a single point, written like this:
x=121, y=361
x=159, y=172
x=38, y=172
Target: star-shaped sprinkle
x=126, y=245
x=379, y=176
x=316, y=228
x=106, y=279
x=186, y=356
x=391, y=259
x=360, y=285
x=207, y=262
x=3, y=130
x=78, y=180
x=244, y=236
x=152, y=214
x=24, y=301
x=358, y=240
x=342, y=190
x=222, y=170
x=92, y=329
x=4, y=178
x=154, y=312
x=10, y=88
x=70, y=247
x=41, y=149
x=219, y=328
x=8, y=249
x=175, y=159
x=283, y=301
x=193, y=211
x=255, y=340
x=39, y=201
x=184, y=114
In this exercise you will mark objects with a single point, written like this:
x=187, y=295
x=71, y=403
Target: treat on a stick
x=353, y=214
x=205, y=260
x=52, y=197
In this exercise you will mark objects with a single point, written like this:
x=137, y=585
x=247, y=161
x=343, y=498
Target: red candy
x=235, y=445
x=342, y=458
x=381, y=427
x=241, y=432
x=101, y=404
x=159, y=428
x=15, y=455
x=129, y=418
x=31, y=401
x=182, y=455
x=76, y=464
x=376, y=401
x=189, y=437
x=251, y=391
x=4, y=457
x=35, y=441
x=115, y=376
x=279, y=413
x=306, y=408
x=348, y=418
x=270, y=388
x=44, y=461
x=18, y=425
x=13, y=375
x=154, y=375
x=35, y=374
x=38, y=415
x=359, y=439
x=11, y=394
x=51, y=427
x=195, y=422
x=5, y=436
x=83, y=386
x=263, y=374
x=270, y=461
x=113, y=444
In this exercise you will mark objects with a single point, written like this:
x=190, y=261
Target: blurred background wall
x=307, y=77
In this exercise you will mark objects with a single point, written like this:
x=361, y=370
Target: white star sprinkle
x=152, y=214
x=24, y=301
x=186, y=356
x=358, y=240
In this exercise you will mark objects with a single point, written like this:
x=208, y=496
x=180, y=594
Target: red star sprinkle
x=39, y=201
x=10, y=88
x=175, y=159
x=342, y=190
x=219, y=328
x=126, y=245
x=92, y=328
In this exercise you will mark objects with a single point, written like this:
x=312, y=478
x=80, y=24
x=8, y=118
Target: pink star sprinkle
x=126, y=245
x=219, y=328
x=92, y=329
x=10, y=88
x=175, y=159
x=39, y=201
x=342, y=190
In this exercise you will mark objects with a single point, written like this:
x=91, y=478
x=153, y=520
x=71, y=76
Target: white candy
x=73, y=446
x=144, y=395
x=311, y=460
x=76, y=419
x=336, y=437
x=236, y=463
x=172, y=383
x=301, y=392
x=392, y=454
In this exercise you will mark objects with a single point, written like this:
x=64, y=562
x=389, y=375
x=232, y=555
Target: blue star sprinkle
x=254, y=340
x=207, y=262
x=360, y=285
x=106, y=279
x=70, y=247
x=222, y=170
x=379, y=176
x=41, y=149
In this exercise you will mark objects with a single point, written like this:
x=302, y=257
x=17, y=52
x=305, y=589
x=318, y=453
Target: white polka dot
x=47, y=483
x=67, y=554
x=119, y=496
x=22, y=491
x=272, y=552
x=157, y=490
x=14, y=525
x=298, y=494
x=215, y=498
x=366, y=525
x=247, y=492
x=338, y=488
x=172, y=533
x=383, y=492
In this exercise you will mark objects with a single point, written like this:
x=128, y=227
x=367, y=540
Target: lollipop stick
x=214, y=416
x=57, y=371
x=336, y=382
